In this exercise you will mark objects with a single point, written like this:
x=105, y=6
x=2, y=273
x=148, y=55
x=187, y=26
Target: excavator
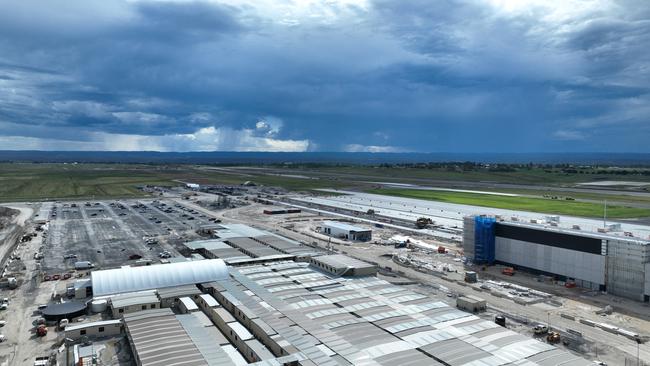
x=423, y=222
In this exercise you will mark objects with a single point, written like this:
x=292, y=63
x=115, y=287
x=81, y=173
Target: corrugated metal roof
x=236, y=357
x=240, y=330
x=178, y=291
x=130, y=279
x=159, y=339
x=134, y=298
x=189, y=304
x=341, y=261
x=204, y=338
x=243, y=230
x=209, y=244
x=378, y=323
x=209, y=300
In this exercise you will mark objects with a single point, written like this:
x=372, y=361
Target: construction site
x=253, y=278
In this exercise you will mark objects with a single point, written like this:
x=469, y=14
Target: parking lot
x=108, y=233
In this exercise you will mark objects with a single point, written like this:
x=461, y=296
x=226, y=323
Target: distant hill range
x=228, y=158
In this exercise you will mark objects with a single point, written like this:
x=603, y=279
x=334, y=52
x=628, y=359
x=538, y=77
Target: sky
x=330, y=75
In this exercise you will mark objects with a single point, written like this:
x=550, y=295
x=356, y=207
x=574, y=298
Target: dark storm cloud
x=413, y=75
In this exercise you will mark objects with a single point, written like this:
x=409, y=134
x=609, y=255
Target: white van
x=83, y=265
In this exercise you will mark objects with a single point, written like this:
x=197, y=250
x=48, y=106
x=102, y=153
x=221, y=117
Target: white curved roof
x=129, y=279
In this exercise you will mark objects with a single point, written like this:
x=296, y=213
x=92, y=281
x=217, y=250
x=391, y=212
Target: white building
x=131, y=302
x=346, y=231
x=131, y=279
x=104, y=328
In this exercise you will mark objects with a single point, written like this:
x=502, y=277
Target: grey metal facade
x=626, y=268
x=599, y=261
x=568, y=263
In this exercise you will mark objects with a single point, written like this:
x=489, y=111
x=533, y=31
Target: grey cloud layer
x=414, y=75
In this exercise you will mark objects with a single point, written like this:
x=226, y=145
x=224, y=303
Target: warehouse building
x=130, y=302
x=132, y=279
x=291, y=313
x=472, y=304
x=598, y=261
x=346, y=231
x=169, y=296
x=98, y=329
x=342, y=265
x=241, y=244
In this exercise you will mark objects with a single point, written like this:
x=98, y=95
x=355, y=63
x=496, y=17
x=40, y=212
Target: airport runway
x=450, y=214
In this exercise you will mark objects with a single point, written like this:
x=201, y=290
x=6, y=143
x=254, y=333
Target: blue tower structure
x=484, y=228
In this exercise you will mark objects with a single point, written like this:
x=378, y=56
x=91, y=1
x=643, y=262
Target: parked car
x=540, y=329
x=135, y=256
x=83, y=265
x=70, y=256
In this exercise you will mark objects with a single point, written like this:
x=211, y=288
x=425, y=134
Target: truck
x=83, y=265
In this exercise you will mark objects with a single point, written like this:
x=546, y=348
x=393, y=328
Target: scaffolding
x=484, y=251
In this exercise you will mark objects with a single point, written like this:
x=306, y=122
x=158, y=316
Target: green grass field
x=33, y=182
x=542, y=205
x=24, y=182
x=521, y=176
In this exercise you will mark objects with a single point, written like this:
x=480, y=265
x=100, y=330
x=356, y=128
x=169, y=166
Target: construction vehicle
x=508, y=271
x=423, y=222
x=553, y=337
x=41, y=330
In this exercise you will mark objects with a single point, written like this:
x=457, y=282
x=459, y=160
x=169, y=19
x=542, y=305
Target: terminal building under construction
x=617, y=264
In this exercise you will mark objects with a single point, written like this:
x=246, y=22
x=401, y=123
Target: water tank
x=98, y=306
